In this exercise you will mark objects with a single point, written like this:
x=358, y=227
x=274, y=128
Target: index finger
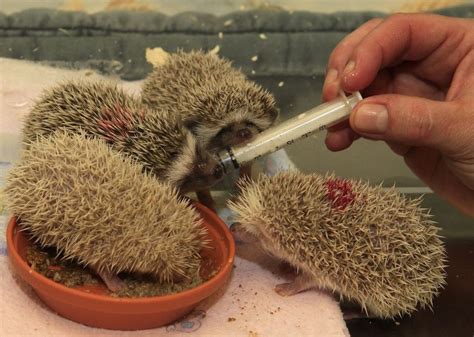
x=340, y=55
x=401, y=37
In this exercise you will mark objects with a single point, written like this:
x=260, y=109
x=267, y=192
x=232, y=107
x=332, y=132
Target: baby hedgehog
x=370, y=245
x=157, y=139
x=217, y=103
x=99, y=207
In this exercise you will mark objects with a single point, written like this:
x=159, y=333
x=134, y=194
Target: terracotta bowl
x=93, y=307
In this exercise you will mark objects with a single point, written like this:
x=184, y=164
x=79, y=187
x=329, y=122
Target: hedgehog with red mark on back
x=370, y=245
x=156, y=138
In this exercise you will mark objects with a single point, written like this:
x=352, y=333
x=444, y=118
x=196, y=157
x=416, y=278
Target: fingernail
x=371, y=118
x=349, y=67
x=331, y=75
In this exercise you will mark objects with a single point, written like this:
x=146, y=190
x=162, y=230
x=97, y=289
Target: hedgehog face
x=194, y=169
x=231, y=114
x=233, y=134
x=206, y=171
x=216, y=101
x=241, y=234
x=255, y=235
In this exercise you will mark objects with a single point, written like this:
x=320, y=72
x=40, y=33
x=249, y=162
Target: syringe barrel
x=316, y=119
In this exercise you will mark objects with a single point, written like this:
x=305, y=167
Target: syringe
x=316, y=119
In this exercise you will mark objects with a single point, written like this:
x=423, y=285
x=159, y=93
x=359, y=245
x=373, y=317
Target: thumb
x=406, y=120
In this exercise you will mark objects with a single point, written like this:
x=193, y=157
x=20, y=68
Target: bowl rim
x=205, y=288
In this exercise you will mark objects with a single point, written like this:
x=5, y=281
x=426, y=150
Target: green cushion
x=296, y=44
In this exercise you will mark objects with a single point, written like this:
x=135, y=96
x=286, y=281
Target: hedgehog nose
x=244, y=134
x=217, y=172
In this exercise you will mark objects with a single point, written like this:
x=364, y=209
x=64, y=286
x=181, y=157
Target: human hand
x=417, y=72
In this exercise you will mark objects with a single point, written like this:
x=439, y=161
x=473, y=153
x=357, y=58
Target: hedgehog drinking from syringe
x=155, y=138
x=217, y=103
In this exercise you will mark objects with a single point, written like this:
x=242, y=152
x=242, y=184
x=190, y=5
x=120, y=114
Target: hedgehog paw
x=299, y=284
x=113, y=282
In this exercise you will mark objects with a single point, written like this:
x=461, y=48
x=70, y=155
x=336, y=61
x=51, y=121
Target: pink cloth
x=247, y=307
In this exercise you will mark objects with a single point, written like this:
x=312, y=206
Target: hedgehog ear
x=191, y=125
x=273, y=112
x=157, y=56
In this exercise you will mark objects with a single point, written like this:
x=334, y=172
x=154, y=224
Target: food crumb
x=228, y=23
x=253, y=72
x=215, y=50
x=280, y=84
x=220, y=35
x=254, y=58
x=156, y=56
x=263, y=36
x=48, y=262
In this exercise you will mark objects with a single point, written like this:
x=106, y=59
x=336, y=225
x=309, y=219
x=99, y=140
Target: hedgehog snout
x=205, y=172
x=218, y=172
x=210, y=170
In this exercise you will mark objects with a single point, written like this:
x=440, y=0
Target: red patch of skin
x=115, y=123
x=339, y=193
